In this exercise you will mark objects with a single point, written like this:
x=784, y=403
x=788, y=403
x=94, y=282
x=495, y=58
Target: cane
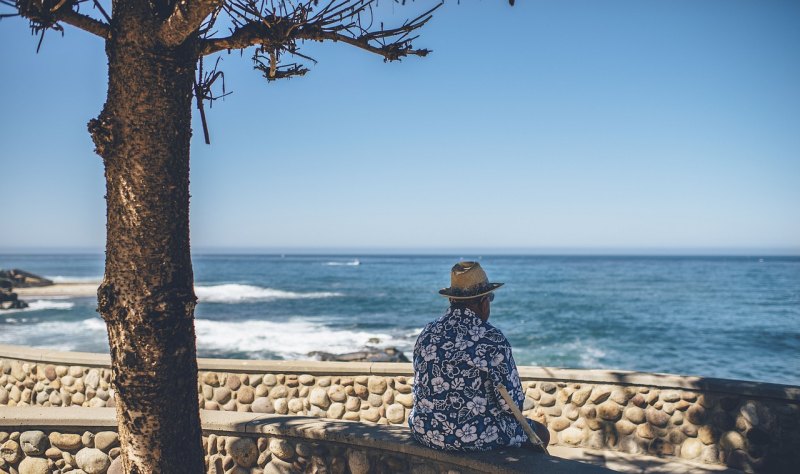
x=532, y=436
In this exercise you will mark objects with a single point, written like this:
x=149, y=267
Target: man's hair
x=466, y=302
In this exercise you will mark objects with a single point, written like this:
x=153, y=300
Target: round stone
x=645, y=431
x=609, y=411
x=319, y=397
x=375, y=400
x=656, y=417
x=270, y=380
x=10, y=452
x=625, y=427
x=53, y=453
x=732, y=440
x=306, y=379
x=691, y=448
x=33, y=466
x=50, y=373
x=638, y=400
x=76, y=371
x=246, y=394
x=371, y=414
x=66, y=441
x=281, y=407
x=395, y=413
x=34, y=443
x=262, y=405
x=211, y=378
x=376, y=385
x=548, y=387
x=116, y=466
x=3, y=396
x=243, y=451
x=279, y=391
x=558, y=424
x=78, y=398
x=696, y=414
x=336, y=410
x=402, y=387
x=337, y=393
x=295, y=405
x=92, y=460
x=262, y=390
x=222, y=395
x=572, y=412
x=571, y=435
x=705, y=434
x=233, y=382
x=580, y=396
x=635, y=414
x=358, y=462
x=670, y=396
x=92, y=378
x=105, y=440
x=600, y=394
x=547, y=400
x=281, y=448
x=405, y=399
x=278, y=466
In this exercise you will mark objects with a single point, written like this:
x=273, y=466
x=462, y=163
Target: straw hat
x=468, y=280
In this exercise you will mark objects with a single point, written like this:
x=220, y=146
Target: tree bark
x=147, y=296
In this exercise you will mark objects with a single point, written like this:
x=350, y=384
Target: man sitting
x=459, y=359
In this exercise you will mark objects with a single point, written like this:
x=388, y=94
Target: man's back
x=458, y=360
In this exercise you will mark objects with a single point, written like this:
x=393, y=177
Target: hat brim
x=457, y=294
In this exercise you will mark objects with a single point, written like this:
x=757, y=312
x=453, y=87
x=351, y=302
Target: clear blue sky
x=584, y=125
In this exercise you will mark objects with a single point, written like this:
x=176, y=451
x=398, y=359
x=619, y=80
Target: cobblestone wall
x=40, y=452
x=743, y=431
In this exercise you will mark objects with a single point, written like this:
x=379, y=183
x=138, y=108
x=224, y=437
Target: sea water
x=728, y=317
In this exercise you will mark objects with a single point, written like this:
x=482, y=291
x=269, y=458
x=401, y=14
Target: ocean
x=727, y=317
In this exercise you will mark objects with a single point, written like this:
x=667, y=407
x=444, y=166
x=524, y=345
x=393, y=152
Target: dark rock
x=369, y=354
x=9, y=300
x=22, y=279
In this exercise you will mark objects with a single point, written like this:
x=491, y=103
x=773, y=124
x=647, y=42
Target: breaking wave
x=235, y=293
x=293, y=339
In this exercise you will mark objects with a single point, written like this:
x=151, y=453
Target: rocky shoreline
x=15, y=278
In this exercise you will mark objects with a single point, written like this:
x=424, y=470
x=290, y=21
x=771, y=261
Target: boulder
x=22, y=279
x=368, y=354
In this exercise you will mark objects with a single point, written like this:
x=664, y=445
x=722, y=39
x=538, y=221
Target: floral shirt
x=458, y=361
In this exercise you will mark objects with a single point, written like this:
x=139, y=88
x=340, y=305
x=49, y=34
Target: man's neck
x=474, y=308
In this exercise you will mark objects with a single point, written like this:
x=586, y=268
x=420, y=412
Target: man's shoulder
x=494, y=334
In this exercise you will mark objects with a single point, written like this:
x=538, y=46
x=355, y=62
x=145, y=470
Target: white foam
x=39, y=305
x=235, y=293
x=292, y=339
x=353, y=263
x=74, y=279
x=89, y=334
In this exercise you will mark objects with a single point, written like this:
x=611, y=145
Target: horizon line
x=621, y=251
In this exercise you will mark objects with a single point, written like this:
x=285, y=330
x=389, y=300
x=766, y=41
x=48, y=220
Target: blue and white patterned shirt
x=458, y=361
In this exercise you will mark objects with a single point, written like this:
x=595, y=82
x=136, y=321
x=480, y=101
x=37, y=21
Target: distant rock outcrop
x=369, y=354
x=15, y=278
x=21, y=279
x=8, y=299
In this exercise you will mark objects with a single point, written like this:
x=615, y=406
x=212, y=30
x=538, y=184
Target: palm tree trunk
x=147, y=296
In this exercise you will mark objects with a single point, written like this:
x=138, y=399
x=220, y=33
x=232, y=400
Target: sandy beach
x=59, y=289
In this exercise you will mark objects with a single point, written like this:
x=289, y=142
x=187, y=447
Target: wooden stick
x=532, y=436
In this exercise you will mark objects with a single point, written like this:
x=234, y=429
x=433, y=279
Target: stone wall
x=82, y=441
x=746, y=425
